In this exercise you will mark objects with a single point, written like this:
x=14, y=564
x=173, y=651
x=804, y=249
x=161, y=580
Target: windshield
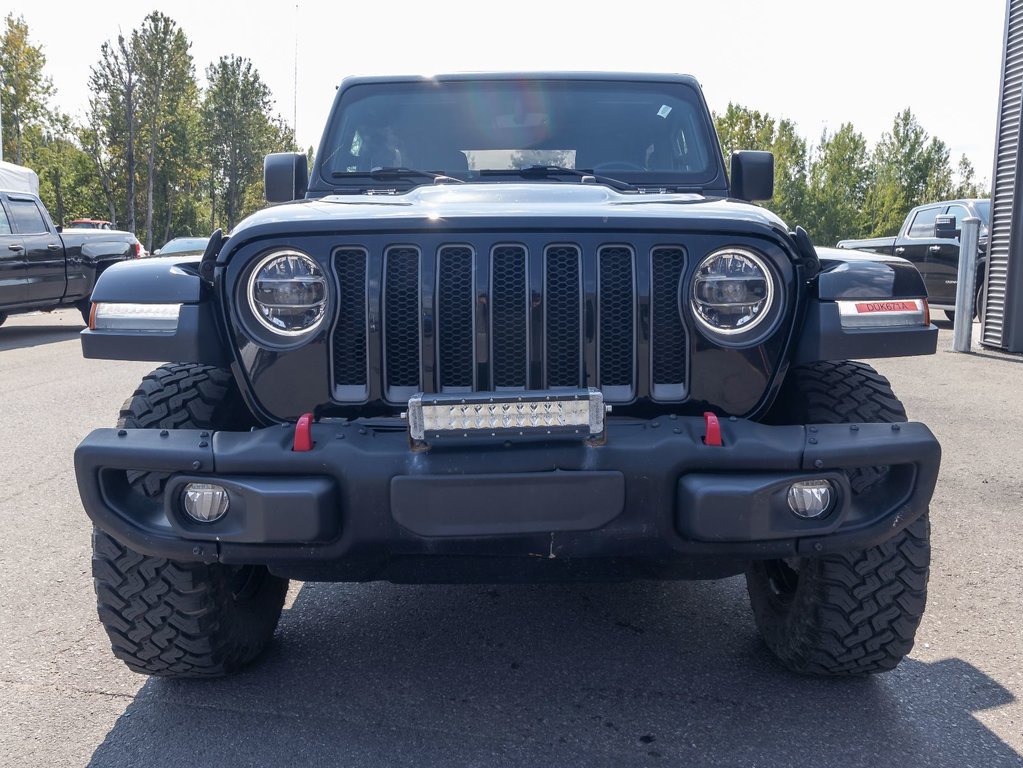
x=185, y=244
x=984, y=211
x=645, y=132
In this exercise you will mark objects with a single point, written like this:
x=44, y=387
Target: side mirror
x=285, y=176
x=945, y=227
x=59, y=228
x=156, y=252
x=752, y=175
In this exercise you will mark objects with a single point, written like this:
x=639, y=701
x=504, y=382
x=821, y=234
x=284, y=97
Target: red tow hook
x=713, y=436
x=303, y=433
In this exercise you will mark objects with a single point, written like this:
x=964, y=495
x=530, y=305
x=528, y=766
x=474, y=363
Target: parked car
x=613, y=366
x=183, y=246
x=935, y=252
x=89, y=224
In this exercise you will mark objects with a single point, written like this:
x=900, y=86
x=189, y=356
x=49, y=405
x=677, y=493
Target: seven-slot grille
x=509, y=317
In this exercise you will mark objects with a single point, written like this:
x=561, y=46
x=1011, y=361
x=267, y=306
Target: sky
x=818, y=63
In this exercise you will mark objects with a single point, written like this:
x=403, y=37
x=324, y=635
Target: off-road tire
x=183, y=619
x=849, y=613
x=182, y=396
x=178, y=619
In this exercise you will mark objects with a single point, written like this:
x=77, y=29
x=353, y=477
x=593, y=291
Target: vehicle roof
x=526, y=75
x=955, y=200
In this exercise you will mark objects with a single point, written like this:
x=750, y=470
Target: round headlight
x=732, y=291
x=288, y=293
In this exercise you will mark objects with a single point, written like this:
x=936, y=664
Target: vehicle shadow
x=587, y=675
x=21, y=336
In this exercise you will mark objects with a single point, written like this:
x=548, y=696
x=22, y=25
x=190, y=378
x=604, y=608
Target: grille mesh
x=668, y=338
x=350, y=331
x=509, y=326
x=401, y=317
x=563, y=294
x=455, y=317
x=617, y=332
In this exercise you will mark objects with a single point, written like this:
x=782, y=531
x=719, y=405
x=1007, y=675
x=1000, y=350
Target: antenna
x=294, y=96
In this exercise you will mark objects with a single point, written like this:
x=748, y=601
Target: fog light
x=205, y=502
x=810, y=498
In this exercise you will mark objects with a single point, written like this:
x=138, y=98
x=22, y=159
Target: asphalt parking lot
x=592, y=675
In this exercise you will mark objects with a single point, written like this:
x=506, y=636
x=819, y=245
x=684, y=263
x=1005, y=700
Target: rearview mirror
x=285, y=176
x=945, y=227
x=752, y=175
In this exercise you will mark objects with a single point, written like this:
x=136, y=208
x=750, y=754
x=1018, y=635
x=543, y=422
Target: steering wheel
x=617, y=165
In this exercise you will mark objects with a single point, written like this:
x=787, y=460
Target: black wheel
x=175, y=618
x=183, y=619
x=854, y=612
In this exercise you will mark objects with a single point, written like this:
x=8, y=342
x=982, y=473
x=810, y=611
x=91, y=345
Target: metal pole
x=963, y=327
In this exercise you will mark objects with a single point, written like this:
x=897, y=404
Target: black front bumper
x=653, y=501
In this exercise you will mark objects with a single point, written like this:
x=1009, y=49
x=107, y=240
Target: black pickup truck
x=511, y=327
x=44, y=268
x=935, y=250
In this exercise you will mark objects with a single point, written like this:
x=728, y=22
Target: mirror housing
x=752, y=175
x=945, y=227
x=285, y=176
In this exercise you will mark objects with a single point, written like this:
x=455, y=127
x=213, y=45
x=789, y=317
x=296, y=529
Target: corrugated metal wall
x=1003, y=309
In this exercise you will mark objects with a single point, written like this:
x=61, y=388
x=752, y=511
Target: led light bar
x=110, y=316
x=894, y=313
x=488, y=414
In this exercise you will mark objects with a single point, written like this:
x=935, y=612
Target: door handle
x=934, y=249
x=53, y=246
x=15, y=247
x=899, y=250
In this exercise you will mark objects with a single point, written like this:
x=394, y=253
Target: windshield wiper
x=385, y=173
x=547, y=171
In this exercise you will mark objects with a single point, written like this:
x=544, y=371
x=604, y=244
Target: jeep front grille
x=508, y=316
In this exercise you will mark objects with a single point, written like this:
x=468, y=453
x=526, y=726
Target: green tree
x=113, y=123
x=967, y=185
x=239, y=131
x=166, y=86
x=743, y=128
x=838, y=184
x=24, y=90
x=67, y=181
x=790, y=175
x=908, y=168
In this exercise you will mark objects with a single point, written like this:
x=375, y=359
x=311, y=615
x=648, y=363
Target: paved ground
x=624, y=675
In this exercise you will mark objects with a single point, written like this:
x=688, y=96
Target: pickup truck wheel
x=183, y=619
x=85, y=307
x=848, y=613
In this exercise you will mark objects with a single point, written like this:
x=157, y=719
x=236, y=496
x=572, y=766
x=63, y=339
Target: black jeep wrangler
x=511, y=327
